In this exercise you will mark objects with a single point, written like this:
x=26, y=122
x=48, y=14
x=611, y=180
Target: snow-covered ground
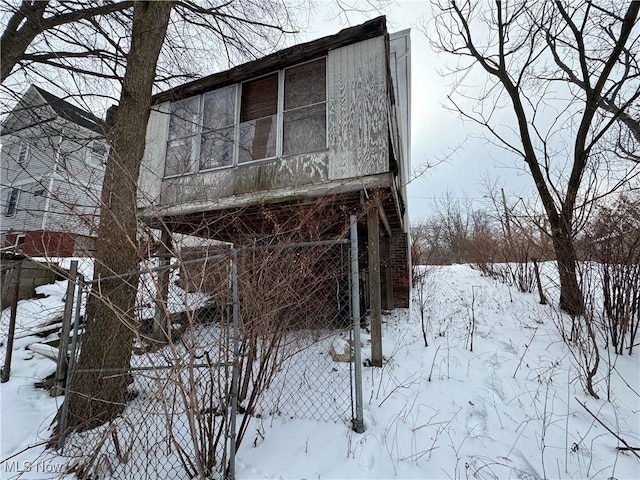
x=501, y=403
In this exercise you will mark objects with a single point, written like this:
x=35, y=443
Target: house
x=53, y=157
x=327, y=119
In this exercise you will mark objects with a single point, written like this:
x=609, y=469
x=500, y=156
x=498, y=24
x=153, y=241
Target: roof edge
x=277, y=60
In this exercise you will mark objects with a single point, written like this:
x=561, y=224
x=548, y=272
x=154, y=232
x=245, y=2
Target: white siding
x=152, y=169
x=59, y=189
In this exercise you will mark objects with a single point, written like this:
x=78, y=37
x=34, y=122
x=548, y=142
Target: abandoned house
x=53, y=156
x=318, y=129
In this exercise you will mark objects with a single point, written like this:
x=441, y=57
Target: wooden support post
x=373, y=230
x=388, y=272
x=6, y=370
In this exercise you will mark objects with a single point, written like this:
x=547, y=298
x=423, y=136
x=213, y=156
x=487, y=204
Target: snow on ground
x=501, y=403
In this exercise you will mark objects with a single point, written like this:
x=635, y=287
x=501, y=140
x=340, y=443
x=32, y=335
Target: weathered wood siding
x=258, y=178
x=357, y=141
x=357, y=128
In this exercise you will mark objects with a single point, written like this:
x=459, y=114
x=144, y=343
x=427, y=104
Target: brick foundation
x=50, y=244
x=401, y=271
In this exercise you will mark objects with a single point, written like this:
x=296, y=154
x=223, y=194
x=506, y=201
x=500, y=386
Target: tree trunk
x=571, y=300
x=98, y=394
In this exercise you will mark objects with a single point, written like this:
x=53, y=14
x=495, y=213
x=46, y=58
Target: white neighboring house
x=52, y=168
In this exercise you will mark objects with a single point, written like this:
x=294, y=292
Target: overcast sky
x=436, y=133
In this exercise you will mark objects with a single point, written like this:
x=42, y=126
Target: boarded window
x=218, y=131
x=228, y=127
x=12, y=202
x=304, y=126
x=258, y=119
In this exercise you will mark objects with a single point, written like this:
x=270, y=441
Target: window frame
x=325, y=102
x=11, y=208
x=234, y=125
x=91, y=147
x=196, y=138
x=195, y=161
x=24, y=152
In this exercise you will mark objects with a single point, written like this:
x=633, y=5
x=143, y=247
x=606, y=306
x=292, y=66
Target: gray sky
x=436, y=133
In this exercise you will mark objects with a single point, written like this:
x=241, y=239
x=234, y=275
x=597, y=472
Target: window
x=281, y=114
x=258, y=121
x=218, y=129
x=23, y=153
x=183, y=128
x=97, y=154
x=304, y=126
x=12, y=203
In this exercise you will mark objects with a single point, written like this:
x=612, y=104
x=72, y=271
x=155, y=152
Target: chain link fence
x=224, y=336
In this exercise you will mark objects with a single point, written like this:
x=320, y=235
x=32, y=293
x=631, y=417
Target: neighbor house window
x=304, y=125
x=12, y=203
x=97, y=154
x=280, y=114
x=23, y=153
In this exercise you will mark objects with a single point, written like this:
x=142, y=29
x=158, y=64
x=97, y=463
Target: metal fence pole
x=236, y=357
x=64, y=411
x=358, y=421
x=6, y=370
x=63, y=346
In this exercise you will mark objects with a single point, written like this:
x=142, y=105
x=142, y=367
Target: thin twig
x=629, y=447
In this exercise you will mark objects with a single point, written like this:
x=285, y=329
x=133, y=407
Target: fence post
x=162, y=324
x=234, y=375
x=358, y=422
x=63, y=346
x=64, y=411
x=6, y=370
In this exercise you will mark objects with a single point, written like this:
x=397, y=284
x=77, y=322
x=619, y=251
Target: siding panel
x=152, y=169
x=72, y=185
x=357, y=110
x=258, y=178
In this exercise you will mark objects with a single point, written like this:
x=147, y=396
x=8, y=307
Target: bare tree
x=564, y=117
x=108, y=337
x=50, y=20
x=126, y=43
